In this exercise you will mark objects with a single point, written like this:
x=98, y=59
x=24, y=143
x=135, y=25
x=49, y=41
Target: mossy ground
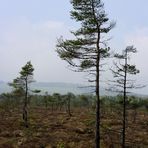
x=49, y=129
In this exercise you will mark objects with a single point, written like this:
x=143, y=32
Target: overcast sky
x=29, y=29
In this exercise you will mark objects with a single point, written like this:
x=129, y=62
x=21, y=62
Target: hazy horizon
x=76, y=88
x=29, y=31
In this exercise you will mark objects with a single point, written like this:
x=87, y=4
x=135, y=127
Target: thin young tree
x=85, y=52
x=122, y=73
x=22, y=82
x=68, y=97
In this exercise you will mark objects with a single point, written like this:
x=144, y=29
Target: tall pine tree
x=22, y=83
x=86, y=51
x=123, y=82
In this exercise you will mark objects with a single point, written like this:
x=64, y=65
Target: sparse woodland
x=31, y=119
x=51, y=125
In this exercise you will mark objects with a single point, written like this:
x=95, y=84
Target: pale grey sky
x=29, y=29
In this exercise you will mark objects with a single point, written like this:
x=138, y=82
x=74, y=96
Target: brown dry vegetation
x=49, y=129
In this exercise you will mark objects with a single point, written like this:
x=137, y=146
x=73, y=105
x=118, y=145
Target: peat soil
x=56, y=129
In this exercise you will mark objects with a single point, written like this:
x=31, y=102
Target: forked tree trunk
x=25, y=110
x=25, y=116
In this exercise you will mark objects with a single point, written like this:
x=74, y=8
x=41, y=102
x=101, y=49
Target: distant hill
x=62, y=88
x=4, y=87
x=51, y=88
x=57, y=87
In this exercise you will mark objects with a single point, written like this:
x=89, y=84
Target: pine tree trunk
x=98, y=122
x=98, y=102
x=124, y=105
x=124, y=119
x=25, y=110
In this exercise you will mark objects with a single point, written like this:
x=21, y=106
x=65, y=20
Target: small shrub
x=61, y=144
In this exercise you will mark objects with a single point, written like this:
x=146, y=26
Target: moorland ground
x=55, y=129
